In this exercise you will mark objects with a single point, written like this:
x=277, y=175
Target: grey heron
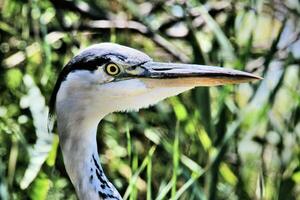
x=106, y=78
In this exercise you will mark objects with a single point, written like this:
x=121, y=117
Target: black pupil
x=113, y=69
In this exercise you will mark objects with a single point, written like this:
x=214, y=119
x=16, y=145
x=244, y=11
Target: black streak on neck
x=103, y=182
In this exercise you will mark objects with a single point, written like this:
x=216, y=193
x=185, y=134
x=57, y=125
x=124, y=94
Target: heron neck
x=79, y=147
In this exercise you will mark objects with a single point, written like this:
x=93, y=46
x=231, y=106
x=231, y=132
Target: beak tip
x=250, y=76
x=255, y=77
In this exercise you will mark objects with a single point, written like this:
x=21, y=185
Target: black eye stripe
x=77, y=63
x=84, y=61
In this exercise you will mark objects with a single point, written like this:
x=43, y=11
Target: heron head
x=109, y=77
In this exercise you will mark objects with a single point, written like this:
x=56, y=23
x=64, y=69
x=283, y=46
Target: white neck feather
x=78, y=142
x=81, y=103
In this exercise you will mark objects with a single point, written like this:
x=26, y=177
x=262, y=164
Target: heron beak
x=193, y=75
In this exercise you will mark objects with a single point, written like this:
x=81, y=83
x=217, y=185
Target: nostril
x=162, y=69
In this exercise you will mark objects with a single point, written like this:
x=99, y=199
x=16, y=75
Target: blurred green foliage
x=232, y=142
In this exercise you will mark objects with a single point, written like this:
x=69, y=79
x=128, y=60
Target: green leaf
x=13, y=78
x=227, y=174
x=179, y=109
x=52, y=155
x=40, y=188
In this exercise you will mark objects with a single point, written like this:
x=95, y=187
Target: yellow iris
x=112, y=69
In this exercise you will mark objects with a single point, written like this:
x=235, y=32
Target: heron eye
x=112, y=69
